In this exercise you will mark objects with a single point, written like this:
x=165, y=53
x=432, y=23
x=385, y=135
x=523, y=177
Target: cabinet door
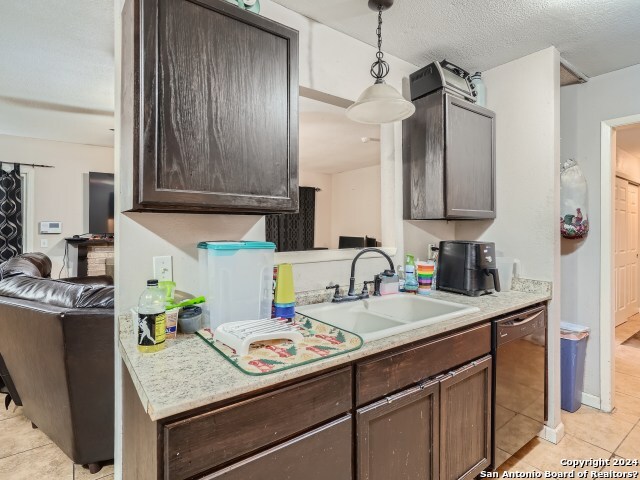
x=423, y=159
x=470, y=160
x=220, y=109
x=321, y=454
x=465, y=421
x=398, y=436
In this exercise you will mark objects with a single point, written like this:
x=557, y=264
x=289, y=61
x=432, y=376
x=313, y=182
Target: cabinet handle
x=522, y=321
x=519, y=321
x=464, y=369
x=410, y=391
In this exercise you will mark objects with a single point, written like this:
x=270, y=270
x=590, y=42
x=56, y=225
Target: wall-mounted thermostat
x=49, y=228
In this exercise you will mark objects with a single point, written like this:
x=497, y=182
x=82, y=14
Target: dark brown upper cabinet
x=449, y=160
x=209, y=109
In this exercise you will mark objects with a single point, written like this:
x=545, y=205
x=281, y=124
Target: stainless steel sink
x=380, y=317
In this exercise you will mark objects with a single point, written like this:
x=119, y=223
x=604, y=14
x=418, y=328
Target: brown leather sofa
x=56, y=340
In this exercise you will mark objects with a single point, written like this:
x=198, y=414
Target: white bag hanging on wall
x=574, y=207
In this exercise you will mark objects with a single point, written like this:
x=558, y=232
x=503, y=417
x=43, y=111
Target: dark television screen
x=100, y=203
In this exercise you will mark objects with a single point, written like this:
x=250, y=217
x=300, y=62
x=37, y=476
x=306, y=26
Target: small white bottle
x=433, y=260
x=400, y=270
x=480, y=88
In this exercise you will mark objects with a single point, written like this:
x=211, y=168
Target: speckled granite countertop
x=189, y=374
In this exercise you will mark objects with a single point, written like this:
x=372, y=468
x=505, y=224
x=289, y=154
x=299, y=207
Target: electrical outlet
x=44, y=243
x=163, y=268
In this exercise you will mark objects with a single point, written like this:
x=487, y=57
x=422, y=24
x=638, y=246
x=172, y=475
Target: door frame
x=607, y=263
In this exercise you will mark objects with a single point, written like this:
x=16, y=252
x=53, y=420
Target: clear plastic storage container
x=508, y=269
x=237, y=280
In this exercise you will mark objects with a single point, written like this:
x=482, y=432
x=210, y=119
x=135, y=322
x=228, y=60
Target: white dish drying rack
x=240, y=335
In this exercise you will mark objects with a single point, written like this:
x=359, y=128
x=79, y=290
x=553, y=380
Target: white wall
x=322, y=225
x=356, y=204
x=525, y=94
x=418, y=234
x=344, y=75
x=339, y=194
x=584, y=107
x=525, y=171
x=58, y=193
x=628, y=165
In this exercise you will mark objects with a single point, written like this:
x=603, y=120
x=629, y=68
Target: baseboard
x=591, y=400
x=553, y=435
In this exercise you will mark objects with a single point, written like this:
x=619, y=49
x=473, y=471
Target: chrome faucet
x=351, y=294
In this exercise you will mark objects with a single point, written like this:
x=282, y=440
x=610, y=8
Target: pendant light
x=380, y=103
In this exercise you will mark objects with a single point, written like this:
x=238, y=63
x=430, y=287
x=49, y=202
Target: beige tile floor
x=27, y=454
x=591, y=433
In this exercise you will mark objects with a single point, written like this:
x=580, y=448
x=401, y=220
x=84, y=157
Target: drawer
x=384, y=375
x=321, y=454
x=202, y=442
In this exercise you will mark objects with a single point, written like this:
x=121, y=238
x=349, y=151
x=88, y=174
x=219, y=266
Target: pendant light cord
x=379, y=68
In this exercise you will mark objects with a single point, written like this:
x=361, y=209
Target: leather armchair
x=57, y=341
x=7, y=387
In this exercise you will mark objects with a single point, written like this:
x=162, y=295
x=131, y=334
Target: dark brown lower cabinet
x=437, y=430
x=202, y=442
x=321, y=454
x=465, y=421
x=398, y=436
x=409, y=414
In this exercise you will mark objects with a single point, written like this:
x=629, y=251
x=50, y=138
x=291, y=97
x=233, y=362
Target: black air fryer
x=468, y=268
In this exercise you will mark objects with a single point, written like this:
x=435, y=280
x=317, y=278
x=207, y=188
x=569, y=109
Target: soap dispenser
x=410, y=282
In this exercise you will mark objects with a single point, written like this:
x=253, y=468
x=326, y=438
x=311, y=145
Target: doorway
x=625, y=247
x=619, y=283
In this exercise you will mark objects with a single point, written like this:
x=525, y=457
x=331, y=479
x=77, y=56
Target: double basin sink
x=378, y=317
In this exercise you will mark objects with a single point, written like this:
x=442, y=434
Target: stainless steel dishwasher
x=520, y=381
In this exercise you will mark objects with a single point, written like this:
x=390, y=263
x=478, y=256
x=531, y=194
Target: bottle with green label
x=410, y=281
x=151, y=318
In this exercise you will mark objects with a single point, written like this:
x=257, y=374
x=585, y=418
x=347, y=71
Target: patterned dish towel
x=320, y=341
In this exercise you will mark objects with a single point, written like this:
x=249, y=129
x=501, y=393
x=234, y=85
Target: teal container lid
x=226, y=245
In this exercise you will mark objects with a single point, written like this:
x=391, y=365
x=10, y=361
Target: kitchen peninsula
x=190, y=414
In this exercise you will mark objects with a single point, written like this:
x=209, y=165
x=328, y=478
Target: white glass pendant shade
x=380, y=103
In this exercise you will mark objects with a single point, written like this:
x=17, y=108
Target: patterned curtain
x=293, y=232
x=10, y=213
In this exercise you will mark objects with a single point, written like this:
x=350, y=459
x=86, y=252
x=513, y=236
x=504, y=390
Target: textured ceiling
x=628, y=139
x=331, y=143
x=596, y=36
x=57, y=70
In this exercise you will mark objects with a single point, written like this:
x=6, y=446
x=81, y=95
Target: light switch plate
x=163, y=268
x=44, y=243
